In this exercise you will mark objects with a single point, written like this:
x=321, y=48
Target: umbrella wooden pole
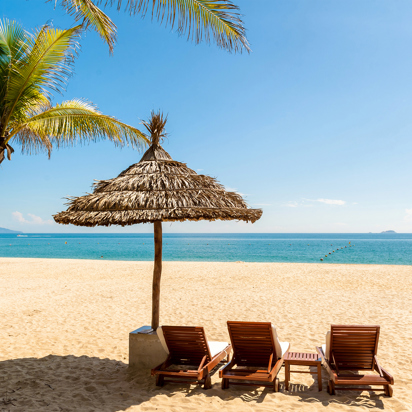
x=157, y=273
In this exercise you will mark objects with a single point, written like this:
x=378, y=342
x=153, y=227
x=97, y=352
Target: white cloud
x=331, y=201
x=199, y=170
x=309, y=202
x=37, y=220
x=292, y=204
x=34, y=220
x=19, y=216
x=408, y=217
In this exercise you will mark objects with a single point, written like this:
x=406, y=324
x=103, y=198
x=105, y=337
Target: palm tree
x=199, y=19
x=32, y=66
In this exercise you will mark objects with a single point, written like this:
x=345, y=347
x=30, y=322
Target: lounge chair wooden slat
x=188, y=346
x=184, y=373
x=248, y=376
x=354, y=348
x=253, y=348
x=361, y=379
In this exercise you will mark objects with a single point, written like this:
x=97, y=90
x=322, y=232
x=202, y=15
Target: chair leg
x=276, y=385
x=388, y=390
x=320, y=377
x=208, y=382
x=225, y=383
x=160, y=380
x=287, y=375
x=331, y=387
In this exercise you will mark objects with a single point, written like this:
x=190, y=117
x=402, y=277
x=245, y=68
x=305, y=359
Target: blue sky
x=314, y=126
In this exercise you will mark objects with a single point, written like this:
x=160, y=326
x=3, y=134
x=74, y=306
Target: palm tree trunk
x=157, y=273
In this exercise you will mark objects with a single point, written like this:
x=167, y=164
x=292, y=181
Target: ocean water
x=388, y=248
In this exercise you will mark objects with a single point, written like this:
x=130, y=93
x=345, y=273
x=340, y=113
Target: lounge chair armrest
x=275, y=370
x=388, y=376
x=202, y=363
x=325, y=362
x=377, y=366
x=270, y=362
x=227, y=351
x=382, y=372
x=332, y=355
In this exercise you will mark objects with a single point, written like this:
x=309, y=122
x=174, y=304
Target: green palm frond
x=45, y=66
x=77, y=121
x=199, y=19
x=32, y=143
x=38, y=102
x=91, y=15
x=31, y=68
x=13, y=40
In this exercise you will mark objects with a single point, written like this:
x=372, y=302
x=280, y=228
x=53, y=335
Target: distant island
x=388, y=231
x=8, y=231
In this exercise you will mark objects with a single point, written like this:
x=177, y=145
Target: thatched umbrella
x=155, y=190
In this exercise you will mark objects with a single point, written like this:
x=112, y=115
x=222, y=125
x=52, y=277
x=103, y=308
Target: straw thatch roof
x=156, y=188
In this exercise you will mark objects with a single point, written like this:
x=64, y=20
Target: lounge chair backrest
x=187, y=345
x=354, y=346
x=252, y=342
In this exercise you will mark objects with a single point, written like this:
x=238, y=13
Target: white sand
x=65, y=324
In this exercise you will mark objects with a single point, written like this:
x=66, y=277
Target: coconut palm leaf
x=32, y=143
x=12, y=41
x=45, y=67
x=199, y=19
x=73, y=121
x=91, y=15
x=31, y=68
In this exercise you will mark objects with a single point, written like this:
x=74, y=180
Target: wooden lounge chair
x=191, y=357
x=353, y=348
x=257, y=355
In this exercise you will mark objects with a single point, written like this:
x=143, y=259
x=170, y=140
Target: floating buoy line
x=341, y=248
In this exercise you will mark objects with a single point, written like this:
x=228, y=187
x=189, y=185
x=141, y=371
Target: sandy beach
x=65, y=324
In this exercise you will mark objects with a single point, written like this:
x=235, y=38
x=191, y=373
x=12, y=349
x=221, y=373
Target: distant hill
x=388, y=231
x=3, y=230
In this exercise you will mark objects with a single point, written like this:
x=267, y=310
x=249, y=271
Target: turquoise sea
x=388, y=248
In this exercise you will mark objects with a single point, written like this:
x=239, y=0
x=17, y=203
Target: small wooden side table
x=305, y=359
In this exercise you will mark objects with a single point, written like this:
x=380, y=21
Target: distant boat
x=21, y=235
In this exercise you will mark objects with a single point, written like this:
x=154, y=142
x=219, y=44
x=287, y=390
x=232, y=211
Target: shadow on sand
x=70, y=383
x=311, y=394
x=355, y=399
